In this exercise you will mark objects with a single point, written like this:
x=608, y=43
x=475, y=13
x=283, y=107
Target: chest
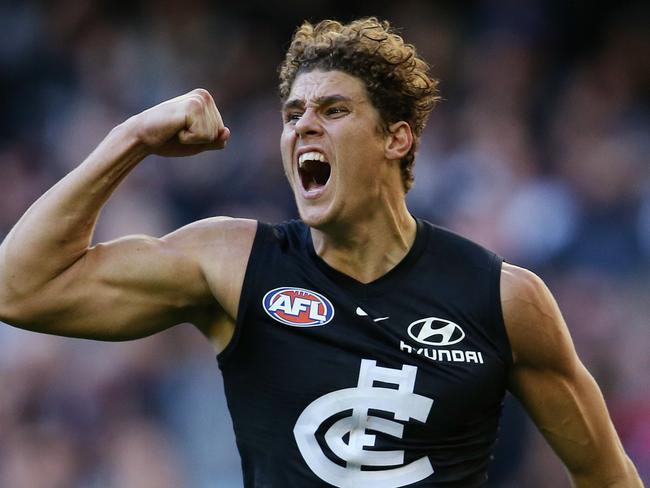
x=306, y=343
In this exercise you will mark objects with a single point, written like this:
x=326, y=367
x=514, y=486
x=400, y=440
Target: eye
x=336, y=111
x=292, y=116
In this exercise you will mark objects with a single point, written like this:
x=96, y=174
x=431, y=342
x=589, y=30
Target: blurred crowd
x=539, y=150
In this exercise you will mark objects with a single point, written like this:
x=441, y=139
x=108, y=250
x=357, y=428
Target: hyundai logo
x=436, y=332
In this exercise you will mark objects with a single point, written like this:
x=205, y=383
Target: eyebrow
x=297, y=103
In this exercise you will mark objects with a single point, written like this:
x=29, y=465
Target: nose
x=308, y=124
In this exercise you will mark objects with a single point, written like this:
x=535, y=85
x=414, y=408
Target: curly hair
x=396, y=79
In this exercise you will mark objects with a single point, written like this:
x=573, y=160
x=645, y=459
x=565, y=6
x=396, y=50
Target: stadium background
x=539, y=150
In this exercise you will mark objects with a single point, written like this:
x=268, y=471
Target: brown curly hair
x=396, y=79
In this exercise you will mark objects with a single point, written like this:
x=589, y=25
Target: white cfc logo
x=402, y=402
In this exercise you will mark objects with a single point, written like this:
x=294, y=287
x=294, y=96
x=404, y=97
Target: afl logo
x=436, y=332
x=298, y=307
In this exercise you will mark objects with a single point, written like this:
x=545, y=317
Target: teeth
x=311, y=156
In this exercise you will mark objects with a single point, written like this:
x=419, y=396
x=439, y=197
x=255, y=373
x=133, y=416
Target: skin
x=362, y=230
x=555, y=388
x=52, y=280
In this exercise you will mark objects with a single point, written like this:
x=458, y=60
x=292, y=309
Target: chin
x=318, y=218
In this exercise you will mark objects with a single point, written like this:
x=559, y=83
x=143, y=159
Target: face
x=332, y=148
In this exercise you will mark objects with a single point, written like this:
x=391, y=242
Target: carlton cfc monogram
x=402, y=402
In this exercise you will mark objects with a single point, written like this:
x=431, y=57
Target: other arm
x=556, y=389
x=52, y=280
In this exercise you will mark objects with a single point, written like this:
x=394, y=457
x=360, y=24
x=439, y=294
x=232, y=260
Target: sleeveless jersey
x=398, y=382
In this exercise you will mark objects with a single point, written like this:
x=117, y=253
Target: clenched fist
x=183, y=126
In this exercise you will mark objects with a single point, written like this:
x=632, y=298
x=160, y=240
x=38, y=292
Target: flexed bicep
x=138, y=285
x=124, y=289
x=52, y=280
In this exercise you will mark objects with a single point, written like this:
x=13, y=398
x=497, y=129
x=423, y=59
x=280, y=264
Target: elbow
x=10, y=309
x=11, y=295
x=14, y=296
x=8, y=314
x=5, y=302
x=15, y=308
x=23, y=315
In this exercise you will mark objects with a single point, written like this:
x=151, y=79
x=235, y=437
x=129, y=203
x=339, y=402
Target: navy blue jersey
x=398, y=382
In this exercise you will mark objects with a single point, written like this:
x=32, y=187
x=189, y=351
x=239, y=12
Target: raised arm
x=556, y=389
x=53, y=281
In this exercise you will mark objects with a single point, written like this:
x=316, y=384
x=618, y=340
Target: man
x=359, y=346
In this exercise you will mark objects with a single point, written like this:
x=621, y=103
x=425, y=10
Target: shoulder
x=456, y=249
x=538, y=335
x=218, y=243
x=211, y=232
x=214, y=239
x=221, y=247
x=521, y=286
x=288, y=232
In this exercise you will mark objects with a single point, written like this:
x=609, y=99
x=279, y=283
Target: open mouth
x=314, y=170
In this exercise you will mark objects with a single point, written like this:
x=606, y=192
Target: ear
x=398, y=141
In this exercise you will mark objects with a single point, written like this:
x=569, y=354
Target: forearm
x=57, y=229
x=628, y=477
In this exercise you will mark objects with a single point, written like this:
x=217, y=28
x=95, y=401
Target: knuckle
x=194, y=103
x=203, y=93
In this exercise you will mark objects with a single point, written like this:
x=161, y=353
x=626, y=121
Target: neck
x=368, y=249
